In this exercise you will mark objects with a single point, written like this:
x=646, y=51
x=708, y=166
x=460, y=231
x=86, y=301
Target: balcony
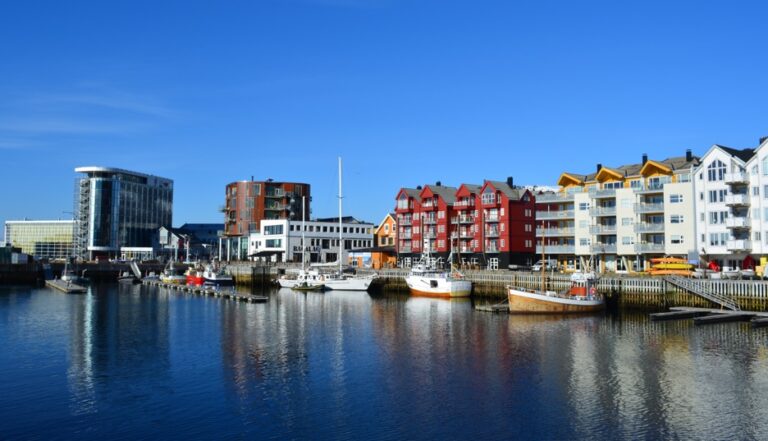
x=739, y=245
x=649, y=227
x=466, y=250
x=602, y=229
x=405, y=249
x=737, y=200
x=561, y=214
x=556, y=249
x=276, y=207
x=405, y=235
x=738, y=223
x=550, y=198
x=454, y=235
x=554, y=232
x=602, y=211
x=491, y=250
x=464, y=203
x=736, y=178
x=603, y=248
x=492, y=233
x=656, y=187
x=602, y=193
x=429, y=221
x=430, y=234
x=466, y=234
x=494, y=218
x=649, y=248
x=405, y=222
x=466, y=219
x=657, y=207
x=276, y=193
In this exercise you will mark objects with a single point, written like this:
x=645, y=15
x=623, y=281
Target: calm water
x=140, y=362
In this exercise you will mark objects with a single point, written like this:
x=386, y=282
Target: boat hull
x=525, y=302
x=350, y=284
x=438, y=287
x=195, y=280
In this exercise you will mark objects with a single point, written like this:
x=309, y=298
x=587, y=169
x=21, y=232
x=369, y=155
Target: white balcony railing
x=739, y=245
x=738, y=222
x=598, y=193
x=556, y=249
x=602, y=229
x=736, y=178
x=562, y=214
x=657, y=207
x=649, y=247
x=737, y=199
x=649, y=227
x=602, y=211
x=603, y=248
x=550, y=232
x=548, y=198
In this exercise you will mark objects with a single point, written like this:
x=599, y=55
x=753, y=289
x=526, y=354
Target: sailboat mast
x=543, y=261
x=340, y=236
x=303, y=228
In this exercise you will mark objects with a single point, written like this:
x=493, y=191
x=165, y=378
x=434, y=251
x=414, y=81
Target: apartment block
x=618, y=218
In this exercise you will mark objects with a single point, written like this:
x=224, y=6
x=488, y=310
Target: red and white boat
x=582, y=296
x=194, y=276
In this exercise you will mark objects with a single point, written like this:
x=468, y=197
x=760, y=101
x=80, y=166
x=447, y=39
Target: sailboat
x=426, y=279
x=307, y=280
x=582, y=296
x=340, y=281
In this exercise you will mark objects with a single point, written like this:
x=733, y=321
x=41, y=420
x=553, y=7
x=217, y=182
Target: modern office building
x=279, y=240
x=489, y=225
x=43, y=239
x=117, y=209
x=731, y=191
x=618, y=218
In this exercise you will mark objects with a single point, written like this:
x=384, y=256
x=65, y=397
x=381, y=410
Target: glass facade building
x=42, y=239
x=117, y=208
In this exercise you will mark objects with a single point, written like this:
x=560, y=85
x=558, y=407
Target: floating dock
x=209, y=291
x=66, y=287
x=704, y=316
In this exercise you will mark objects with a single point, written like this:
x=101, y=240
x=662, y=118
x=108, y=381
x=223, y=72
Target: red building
x=248, y=202
x=490, y=225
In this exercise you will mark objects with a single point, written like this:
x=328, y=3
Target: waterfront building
x=189, y=242
x=383, y=254
x=119, y=211
x=248, y=203
x=43, y=239
x=618, y=218
x=731, y=189
x=489, y=225
x=279, y=240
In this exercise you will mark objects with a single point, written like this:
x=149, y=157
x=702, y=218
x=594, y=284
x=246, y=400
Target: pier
x=209, y=291
x=65, y=287
x=704, y=316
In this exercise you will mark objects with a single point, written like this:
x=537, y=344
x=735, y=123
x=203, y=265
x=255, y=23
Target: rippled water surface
x=127, y=362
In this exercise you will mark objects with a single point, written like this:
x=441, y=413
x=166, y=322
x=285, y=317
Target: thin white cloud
x=15, y=144
x=67, y=126
x=114, y=101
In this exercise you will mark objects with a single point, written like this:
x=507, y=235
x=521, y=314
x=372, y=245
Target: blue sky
x=407, y=92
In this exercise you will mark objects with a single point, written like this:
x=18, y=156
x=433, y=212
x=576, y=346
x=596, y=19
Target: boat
x=582, y=296
x=307, y=280
x=425, y=279
x=172, y=276
x=69, y=275
x=214, y=276
x=127, y=277
x=194, y=276
x=340, y=281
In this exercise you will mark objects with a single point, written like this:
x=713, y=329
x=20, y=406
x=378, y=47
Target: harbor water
x=140, y=362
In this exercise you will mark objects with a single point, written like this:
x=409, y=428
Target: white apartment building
x=731, y=188
x=279, y=240
x=617, y=219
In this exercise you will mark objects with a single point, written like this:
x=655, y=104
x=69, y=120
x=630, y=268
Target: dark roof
x=743, y=154
x=344, y=219
x=473, y=188
x=447, y=193
x=674, y=163
x=512, y=193
x=412, y=192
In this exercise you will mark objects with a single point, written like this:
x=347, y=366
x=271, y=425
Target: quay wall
x=640, y=292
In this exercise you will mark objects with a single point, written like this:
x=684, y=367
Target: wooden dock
x=209, y=291
x=66, y=287
x=704, y=316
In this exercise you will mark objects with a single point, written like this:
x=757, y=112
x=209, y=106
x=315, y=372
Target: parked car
x=549, y=264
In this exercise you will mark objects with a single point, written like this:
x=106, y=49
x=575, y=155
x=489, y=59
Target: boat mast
x=543, y=261
x=340, y=236
x=303, y=228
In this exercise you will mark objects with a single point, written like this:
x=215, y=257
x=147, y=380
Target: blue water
x=132, y=362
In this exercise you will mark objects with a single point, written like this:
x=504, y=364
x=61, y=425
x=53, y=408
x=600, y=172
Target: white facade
x=731, y=191
x=280, y=240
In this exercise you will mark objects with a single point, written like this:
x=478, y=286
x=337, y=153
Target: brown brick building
x=248, y=202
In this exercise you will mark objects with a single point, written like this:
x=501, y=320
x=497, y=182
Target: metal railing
x=699, y=289
x=657, y=207
x=649, y=227
x=549, y=232
x=737, y=199
x=736, y=178
x=557, y=249
x=554, y=197
x=603, y=248
x=649, y=247
x=602, y=229
x=602, y=211
x=738, y=222
x=602, y=193
x=561, y=214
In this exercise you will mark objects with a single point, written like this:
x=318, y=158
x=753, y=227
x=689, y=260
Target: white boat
x=307, y=280
x=426, y=279
x=340, y=281
x=214, y=276
x=582, y=296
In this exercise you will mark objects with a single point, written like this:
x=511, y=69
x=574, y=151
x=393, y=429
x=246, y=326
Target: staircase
x=697, y=288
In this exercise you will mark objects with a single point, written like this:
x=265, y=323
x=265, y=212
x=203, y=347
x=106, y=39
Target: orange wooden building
x=383, y=254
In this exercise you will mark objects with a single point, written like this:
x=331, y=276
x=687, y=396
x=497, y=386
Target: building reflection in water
x=118, y=331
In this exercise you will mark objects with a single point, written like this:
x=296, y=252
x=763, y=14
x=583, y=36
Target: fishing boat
x=194, y=276
x=307, y=280
x=172, y=276
x=425, y=279
x=582, y=296
x=341, y=281
x=215, y=276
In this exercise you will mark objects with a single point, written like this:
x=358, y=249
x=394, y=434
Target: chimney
x=438, y=183
x=251, y=178
x=599, y=166
x=645, y=158
x=688, y=155
x=418, y=187
x=510, y=182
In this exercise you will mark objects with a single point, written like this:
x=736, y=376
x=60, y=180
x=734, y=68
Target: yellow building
x=384, y=255
x=42, y=239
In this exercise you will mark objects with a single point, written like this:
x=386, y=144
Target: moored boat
x=194, y=276
x=216, y=277
x=582, y=296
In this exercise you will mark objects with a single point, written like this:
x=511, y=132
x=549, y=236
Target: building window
x=755, y=191
x=757, y=236
x=676, y=219
x=584, y=241
x=626, y=203
x=627, y=240
x=583, y=206
x=625, y=221
x=675, y=198
x=677, y=239
x=716, y=171
x=765, y=166
x=502, y=243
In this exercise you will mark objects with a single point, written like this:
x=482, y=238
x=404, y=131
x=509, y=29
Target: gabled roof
x=510, y=192
x=381, y=224
x=411, y=192
x=448, y=194
x=471, y=188
x=743, y=154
